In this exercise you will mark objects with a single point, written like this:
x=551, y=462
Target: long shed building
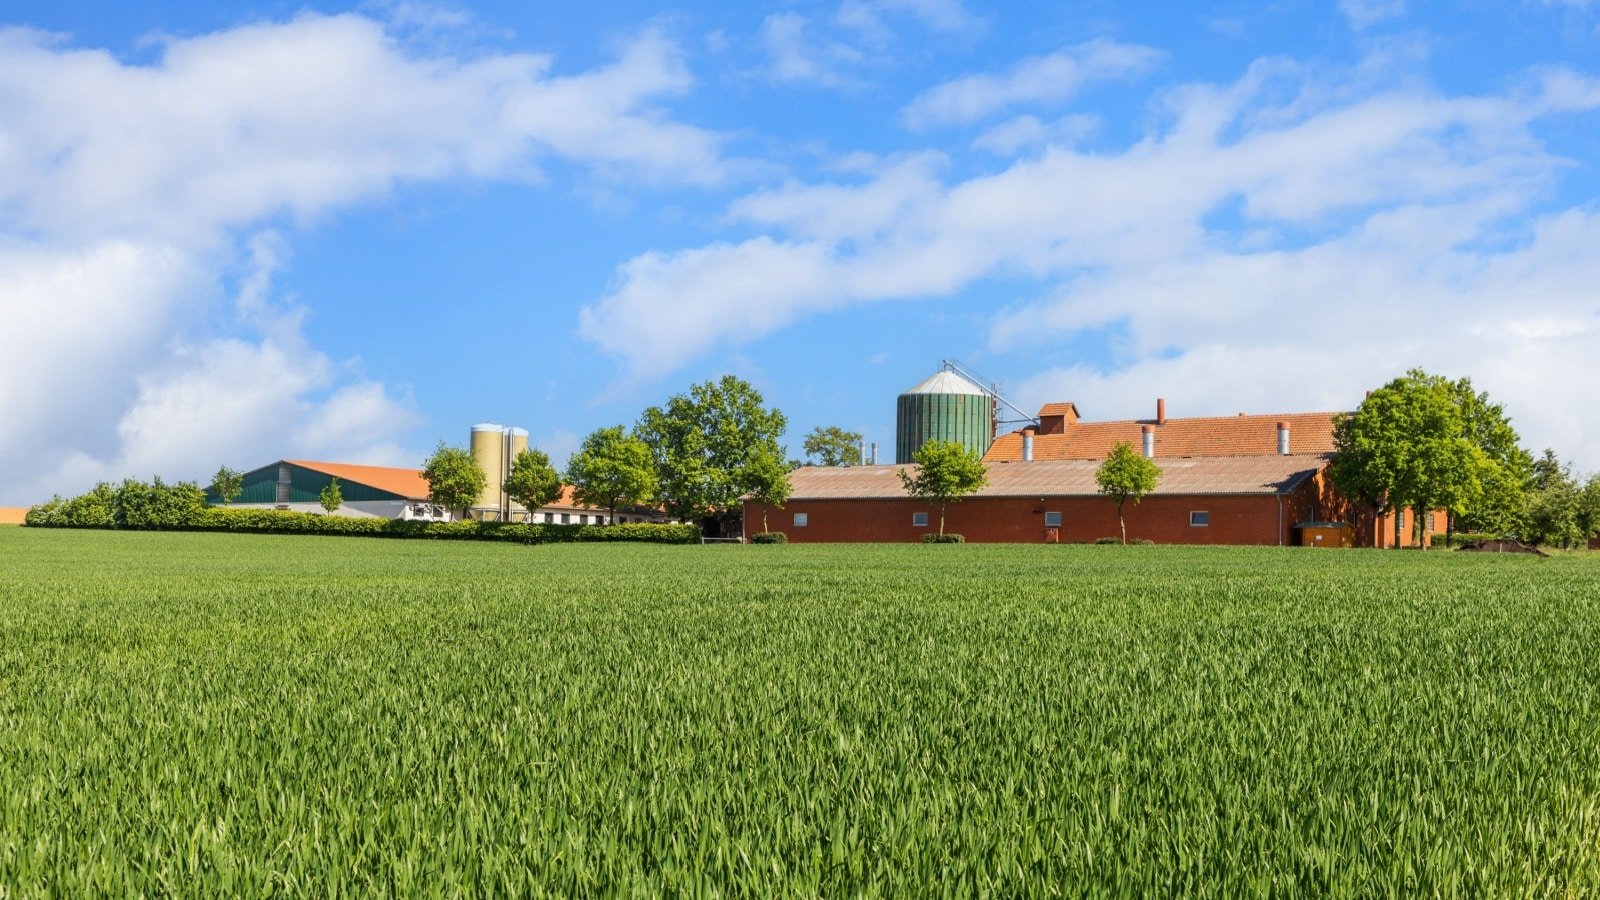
x=1246, y=479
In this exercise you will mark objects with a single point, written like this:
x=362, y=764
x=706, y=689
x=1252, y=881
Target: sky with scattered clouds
x=233, y=232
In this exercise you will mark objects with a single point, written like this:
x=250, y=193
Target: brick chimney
x=1161, y=411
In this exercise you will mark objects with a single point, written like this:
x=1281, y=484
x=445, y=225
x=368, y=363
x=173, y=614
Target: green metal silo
x=946, y=407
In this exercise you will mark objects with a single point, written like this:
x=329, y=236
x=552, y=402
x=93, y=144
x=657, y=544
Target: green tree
x=1494, y=499
x=228, y=484
x=833, y=446
x=704, y=444
x=1548, y=471
x=1126, y=475
x=1589, y=507
x=454, y=479
x=1408, y=445
x=1554, y=516
x=331, y=496
x=946, y=472
x=533, y=482
x=612, y=468
x=769, y=483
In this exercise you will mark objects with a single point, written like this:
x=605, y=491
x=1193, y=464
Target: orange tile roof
x=407, y=483
x=1309, y=433
x=1058, y=409
x=1254, y=474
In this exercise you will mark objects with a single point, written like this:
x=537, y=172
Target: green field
x=203, y=714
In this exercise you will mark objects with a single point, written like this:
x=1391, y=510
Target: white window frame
x=919, y=515
x=1199, y=518
x=1047, y=520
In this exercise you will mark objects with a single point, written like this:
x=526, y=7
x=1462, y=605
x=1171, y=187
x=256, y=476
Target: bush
x=1141, y=542
x=943, y=539
x=1463, y=537
x=769, y=537
x=140, y=506
x=1108, y=540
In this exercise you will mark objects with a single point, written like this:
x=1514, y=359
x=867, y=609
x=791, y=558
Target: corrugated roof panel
x=1072, y=478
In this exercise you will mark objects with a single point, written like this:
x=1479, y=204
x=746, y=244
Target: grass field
x=208, y=714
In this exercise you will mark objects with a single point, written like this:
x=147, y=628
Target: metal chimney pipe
x=1161, y=411
x=874, y=453
x=861, y=451
x=1027, y=445
x=1149, y=441
x=1283, y=438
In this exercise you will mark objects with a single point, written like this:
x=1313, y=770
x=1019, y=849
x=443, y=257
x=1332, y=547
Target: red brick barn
x=1215, y=500
x=1225, y=480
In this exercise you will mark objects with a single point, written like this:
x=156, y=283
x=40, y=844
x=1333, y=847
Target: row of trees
x=695, y=456
x=1424, y=442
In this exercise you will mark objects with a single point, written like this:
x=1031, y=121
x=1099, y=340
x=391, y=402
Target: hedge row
x=157, y=507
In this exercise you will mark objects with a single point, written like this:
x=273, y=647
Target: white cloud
x=1040, y=79
x=125, y=189
x=1360, y=234
x=1025, y=132
x=796, y=55
x=1366, y=13
x=940, y=15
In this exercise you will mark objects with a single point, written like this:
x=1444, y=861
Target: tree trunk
x=1121, y=526
x=1397, y=513
x=941, y=520
x=1420, y=527
x=764, y=519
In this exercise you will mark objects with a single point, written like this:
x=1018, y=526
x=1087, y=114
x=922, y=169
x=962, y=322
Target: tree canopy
x=612, y=468
x=707, y=447
x=769, y=483
x=454, y=479
x=228, y=484
x=533, y=482
x=1126, y=474
x=833, y=446
x=332, y=496
x=1425, y=442
x=946, y=472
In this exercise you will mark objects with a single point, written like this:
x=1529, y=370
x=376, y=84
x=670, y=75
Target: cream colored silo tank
x=519, y=443
x=488, y=451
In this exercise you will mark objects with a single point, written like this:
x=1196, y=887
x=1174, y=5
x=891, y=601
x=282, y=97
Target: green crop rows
x=205, y=715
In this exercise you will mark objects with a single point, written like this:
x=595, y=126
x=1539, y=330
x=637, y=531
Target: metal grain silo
x=489, y=452
x=945, y=407
x=519, y=443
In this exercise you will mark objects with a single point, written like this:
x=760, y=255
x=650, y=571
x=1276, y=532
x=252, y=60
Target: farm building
x=1246, y=479
x=395, y=493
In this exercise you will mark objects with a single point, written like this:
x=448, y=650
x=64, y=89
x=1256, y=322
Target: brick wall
x=1250, y=519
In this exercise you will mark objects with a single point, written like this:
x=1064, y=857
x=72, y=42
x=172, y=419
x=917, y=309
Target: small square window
x=800, y=520
x=566, y=518
x=1052, y=520
x=1199, y=518
x=1400, y=520
x=919, y=520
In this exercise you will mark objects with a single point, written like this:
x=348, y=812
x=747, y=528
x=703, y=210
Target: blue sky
x=231, y=233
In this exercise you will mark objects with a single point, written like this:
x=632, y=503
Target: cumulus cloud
x=1036, y=80
x=1360, y=234
x=127, y=192
x=1366, y=13
x=940, y=15
x=796, y=54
